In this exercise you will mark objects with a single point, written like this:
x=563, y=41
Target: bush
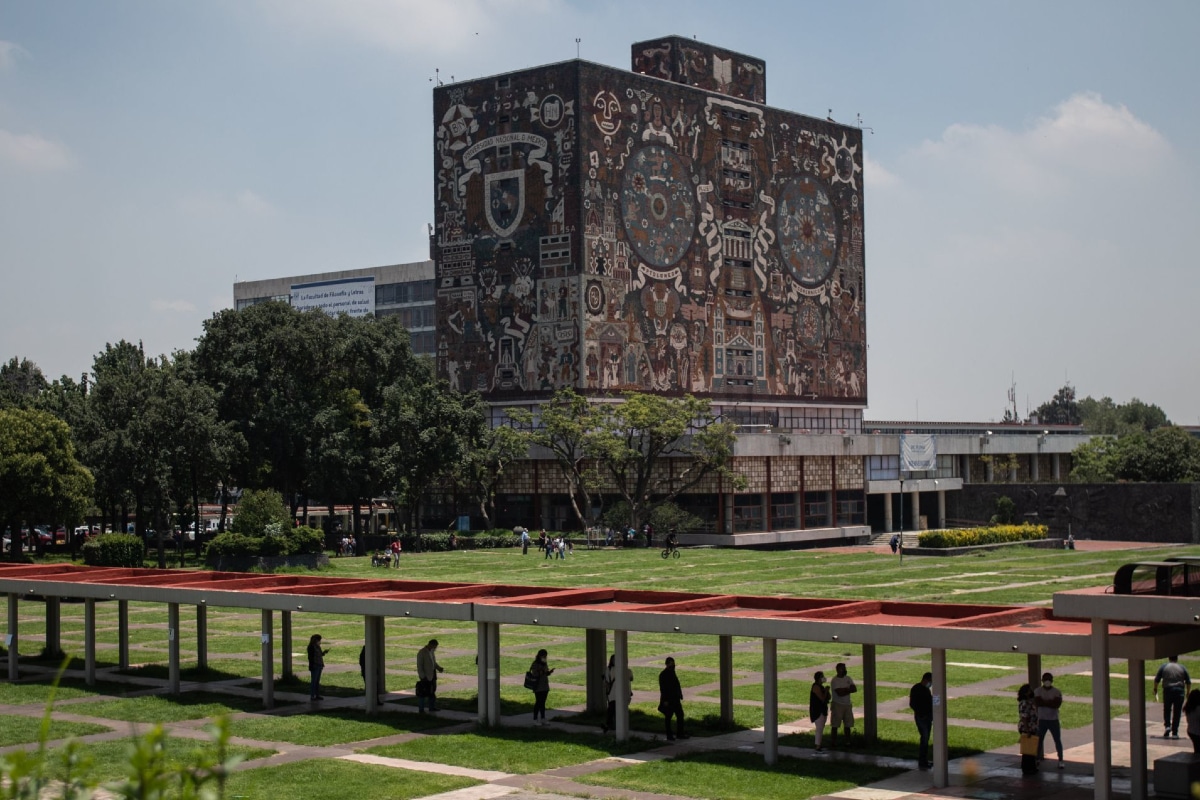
x=258, y=509
x=114, y=550
x=469, y=540
x=276, y=542
x=995, y=534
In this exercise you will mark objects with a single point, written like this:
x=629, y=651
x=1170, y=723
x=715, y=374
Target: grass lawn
x=321, y=728
x=739, y=776
x=334, y=779
x=997, y=709
x=898, y=739
x=515, y=750
x=1081, y=686
x=39, y=691
x=26, y=730
x=109, y=761
x=164, y=708
x=513, y=700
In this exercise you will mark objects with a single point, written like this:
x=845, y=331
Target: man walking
x=841, y=707
x=920, y=700
x=427, y=672
x=670, y=700
x=1175, y=682
x=1048, y=700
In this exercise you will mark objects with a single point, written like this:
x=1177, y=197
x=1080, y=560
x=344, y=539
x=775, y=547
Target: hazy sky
x=1031, y=183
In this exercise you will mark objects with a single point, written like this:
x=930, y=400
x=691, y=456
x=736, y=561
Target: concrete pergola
x=937, y=627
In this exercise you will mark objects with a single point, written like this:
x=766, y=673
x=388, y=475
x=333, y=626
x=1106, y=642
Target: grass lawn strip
x=109, y=761
x=514, y=750
x=898, y=739
x=327, y=728
x=739, y=776
x=16, y=729
x=335, y=779
x=164, y=708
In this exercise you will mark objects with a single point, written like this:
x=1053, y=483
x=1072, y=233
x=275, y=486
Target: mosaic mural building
x=657, y=230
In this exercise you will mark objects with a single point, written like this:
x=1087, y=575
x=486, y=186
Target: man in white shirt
x=841, y=708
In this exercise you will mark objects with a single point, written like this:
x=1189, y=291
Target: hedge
x=114, y=550
x=472, y=540
x=992, y=534
x=290, y=542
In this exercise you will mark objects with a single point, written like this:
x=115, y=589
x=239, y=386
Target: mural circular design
x=657, y=206
x=808, y=235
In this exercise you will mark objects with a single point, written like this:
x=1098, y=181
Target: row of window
x=416, y=317
x=411, y=292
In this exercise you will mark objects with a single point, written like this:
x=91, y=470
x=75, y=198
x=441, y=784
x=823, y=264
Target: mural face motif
x=807, y=231
x=657, y=206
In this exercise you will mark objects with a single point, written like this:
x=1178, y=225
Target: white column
x=989, y=474
x=621, y=679
x=89, y=641
x=1012, y=473
x=916, y=509
x=202, y=637
x=268, y=658
x=285, y=644
x=887, y=512
x=1101, y=724
x=941, y=760
x=770, y=702
x=493, y=675
x=173, y=647
x=1056, y=466
x=1137, y=730
x=481, y=668
x=941, y=519
x=1035, y=468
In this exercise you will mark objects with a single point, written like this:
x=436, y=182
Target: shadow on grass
x=199, y=674
x=646, y=722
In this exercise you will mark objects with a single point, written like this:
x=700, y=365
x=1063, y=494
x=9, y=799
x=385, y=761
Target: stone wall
x=1146, y=512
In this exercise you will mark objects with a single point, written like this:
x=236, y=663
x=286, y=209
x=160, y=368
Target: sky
x=1031, y=168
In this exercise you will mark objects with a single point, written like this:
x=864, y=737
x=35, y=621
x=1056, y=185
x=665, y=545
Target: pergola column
x=481, y=669
x=595, y=642
x=1101, y=724
x=725, y=649
x=493, y=673
x=621, y=678
x=870, y=694
x=770, y=702
x=372, y=642
x=941, y=751
x=10, y=640
x=285, y=645
x=1137, y=729
x=173, y=648
x=89, y=641
x=202, y=637
x=268, y=658
x=123, y=634
x=53, y=627
x=1033, y=670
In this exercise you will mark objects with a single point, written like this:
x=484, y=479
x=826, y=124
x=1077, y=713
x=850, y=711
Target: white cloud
x=9, y=51
x=30, y=151
x=437, y=26
x=876, y=175
x=171, y=306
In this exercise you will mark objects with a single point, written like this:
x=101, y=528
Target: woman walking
x=541, y=673
x=1027, y=726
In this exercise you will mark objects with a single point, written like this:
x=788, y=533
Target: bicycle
x=670, y=551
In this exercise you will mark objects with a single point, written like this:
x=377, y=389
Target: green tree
x=40, y=478
x=1103, y=416
x=562, y=426
x=258, y=509
x=1093, y=461
x=653, y=448
x=21, y=383
x=497, y=449
x=1063, y=409
x=1164, y=455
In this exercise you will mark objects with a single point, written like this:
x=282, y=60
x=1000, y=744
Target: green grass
x=338, y=726
x=165, y=708
x=109, y=761
x=513, y=700
x=26, y=730
x=997, y=709
x=898, y=739
x=327, y=779
x=739, y=776
x=39, y=691
x=516, y=750
x=1080, y=686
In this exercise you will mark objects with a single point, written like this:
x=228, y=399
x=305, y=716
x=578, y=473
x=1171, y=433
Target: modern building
x=403, y=290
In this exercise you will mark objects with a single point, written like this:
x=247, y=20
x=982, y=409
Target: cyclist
x=672, y=540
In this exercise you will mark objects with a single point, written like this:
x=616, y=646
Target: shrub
x=258, y=509
x=994, y=534
x=275, y=542
x=114, y=550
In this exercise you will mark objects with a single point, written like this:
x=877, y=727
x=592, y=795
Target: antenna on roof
x=577, y=41
x=866, y=128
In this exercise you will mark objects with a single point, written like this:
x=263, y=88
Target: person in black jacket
x=920, y=700
x=670, y=700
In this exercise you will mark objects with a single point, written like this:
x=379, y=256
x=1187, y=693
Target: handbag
x=423, y=688
x=1029, y=744
x=531, y=681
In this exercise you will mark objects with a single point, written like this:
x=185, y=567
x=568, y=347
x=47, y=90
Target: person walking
x=1048, y=700
x=427, y=672
x=920, y=700
x=842, y=705
x=1027, y=726
x=1191, y=710
x=524, y=541
x=396, y=547
x=1175, y=686
x=316, y=665
x=818, y=710
x=541, y=672
x=670, y=700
